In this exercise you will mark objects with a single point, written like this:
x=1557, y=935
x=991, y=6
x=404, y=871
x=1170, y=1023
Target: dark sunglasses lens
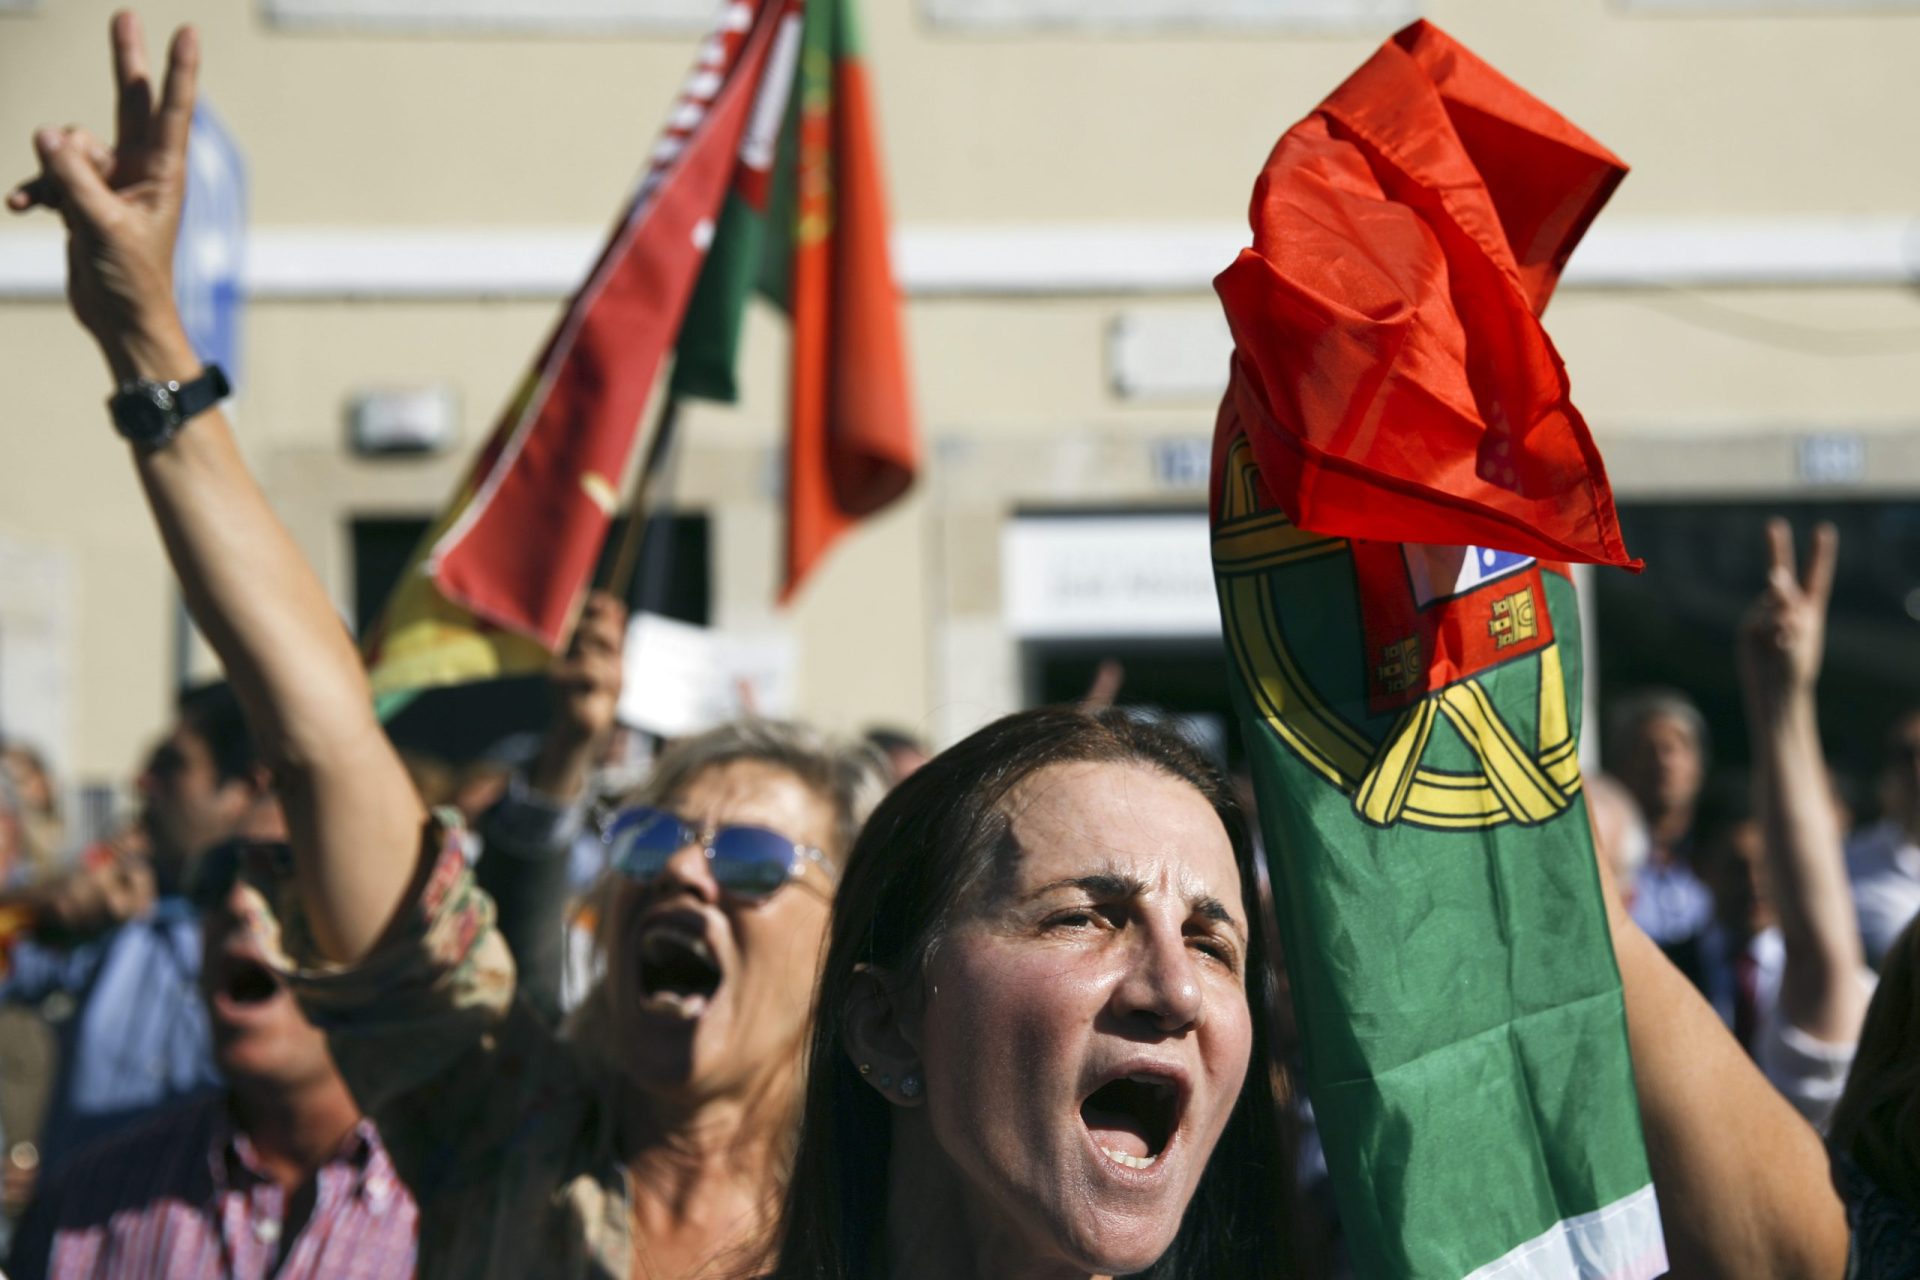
x=166, y=761
x=213, y=878
x=751, y=861
x=641, y=841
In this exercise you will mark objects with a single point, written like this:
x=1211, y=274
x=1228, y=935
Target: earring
x=910, y=1085
x=866, y=1068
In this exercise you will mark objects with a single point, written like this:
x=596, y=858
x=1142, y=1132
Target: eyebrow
x=1112, y=884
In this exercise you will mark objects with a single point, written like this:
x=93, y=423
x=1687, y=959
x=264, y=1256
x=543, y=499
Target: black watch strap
x=204, y=392
x=150, y=413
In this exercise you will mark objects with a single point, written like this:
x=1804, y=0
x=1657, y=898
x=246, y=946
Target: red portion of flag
x=1390, y=367
x=519, y=556
x=853, y=447
x=1429, y=626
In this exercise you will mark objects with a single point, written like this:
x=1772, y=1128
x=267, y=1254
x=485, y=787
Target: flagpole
x=633, y=539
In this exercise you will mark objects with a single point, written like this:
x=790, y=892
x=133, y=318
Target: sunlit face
x=712, y=994
x=1662, y=765
x=1085, y=1031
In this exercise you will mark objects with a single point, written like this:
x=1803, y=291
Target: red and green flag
x=805, y=224
x=497, y=581
x=1399, y=473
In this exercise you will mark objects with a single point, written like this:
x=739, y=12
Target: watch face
x=145, y=415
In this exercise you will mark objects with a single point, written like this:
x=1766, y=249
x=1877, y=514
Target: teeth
x=664, y=941
x=1132, y=1162
x=675, y=1005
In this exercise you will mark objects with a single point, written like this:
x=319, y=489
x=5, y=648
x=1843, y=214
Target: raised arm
x=354, y=817
x=529, y=835
x=1782, y=642
x=1742, y=1179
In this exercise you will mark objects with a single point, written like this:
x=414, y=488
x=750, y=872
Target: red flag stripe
x=520, y=554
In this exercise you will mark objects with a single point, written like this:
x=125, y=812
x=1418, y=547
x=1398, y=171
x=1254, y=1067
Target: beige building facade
x=429, y=178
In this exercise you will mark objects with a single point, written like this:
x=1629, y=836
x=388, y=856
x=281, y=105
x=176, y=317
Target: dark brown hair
x=1877, y=1123
x=936, y=837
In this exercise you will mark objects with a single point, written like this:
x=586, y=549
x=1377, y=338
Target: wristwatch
x=151, y=413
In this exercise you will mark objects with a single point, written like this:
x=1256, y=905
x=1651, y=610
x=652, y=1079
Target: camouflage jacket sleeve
x=425, y=1028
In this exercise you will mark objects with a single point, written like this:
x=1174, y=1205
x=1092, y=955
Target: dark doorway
x=1186, y=679
x=1675, y=624
x=674, y=579
x=460, y=723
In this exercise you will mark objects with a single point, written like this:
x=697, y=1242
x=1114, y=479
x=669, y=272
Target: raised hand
x=121, y=204
x=99, y=896
x=1783, y=636
x=586, y=678
x=586, y=690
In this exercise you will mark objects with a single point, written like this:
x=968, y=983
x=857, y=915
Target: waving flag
x=497, y=581
x=806, y=224
x=1397, y=468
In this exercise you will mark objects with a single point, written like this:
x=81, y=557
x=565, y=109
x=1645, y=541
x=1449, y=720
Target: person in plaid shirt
x=277, y=1174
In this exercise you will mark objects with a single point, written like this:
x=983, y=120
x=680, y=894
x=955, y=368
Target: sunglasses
x=747, y=862
x=261, y=863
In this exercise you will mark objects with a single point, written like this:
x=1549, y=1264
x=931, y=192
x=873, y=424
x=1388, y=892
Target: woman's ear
x=880, y=1039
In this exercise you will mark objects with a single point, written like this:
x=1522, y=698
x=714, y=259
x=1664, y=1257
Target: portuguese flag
x=805, y=223
x=1399, y=474
x=497, y=580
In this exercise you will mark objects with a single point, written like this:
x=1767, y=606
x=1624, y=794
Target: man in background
x=278, y=1174
x=1883, y=861
x=125, y=1006
x=1659, y=748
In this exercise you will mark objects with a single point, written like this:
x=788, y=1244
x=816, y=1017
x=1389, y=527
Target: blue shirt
x=134, y=1037
x=1671, y=903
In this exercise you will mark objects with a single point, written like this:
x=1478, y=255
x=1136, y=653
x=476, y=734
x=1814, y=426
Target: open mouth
x=678, y=973
x=1133, y=1118
x=248, y=982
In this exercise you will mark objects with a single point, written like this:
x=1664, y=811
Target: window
x=468, y=16
x=1769, y=6
x=1129, y=15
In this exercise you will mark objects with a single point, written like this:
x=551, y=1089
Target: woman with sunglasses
x=654, y=1142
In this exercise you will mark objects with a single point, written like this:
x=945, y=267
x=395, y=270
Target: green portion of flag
x=753, y=246
x=707, y=356
x=390, y=704
x=1461, y=1013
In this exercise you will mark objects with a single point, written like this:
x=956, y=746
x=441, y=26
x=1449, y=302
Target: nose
x=688, y=871
x=1162, y=984
x=233, y=906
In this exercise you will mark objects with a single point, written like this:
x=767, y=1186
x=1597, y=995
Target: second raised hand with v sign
x=1804, y=1040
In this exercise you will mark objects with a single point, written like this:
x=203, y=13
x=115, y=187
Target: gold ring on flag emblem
x=1386, y=778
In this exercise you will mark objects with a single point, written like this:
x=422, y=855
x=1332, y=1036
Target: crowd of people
x=793, y=1007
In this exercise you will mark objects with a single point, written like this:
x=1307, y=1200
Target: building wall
x=1056, y=187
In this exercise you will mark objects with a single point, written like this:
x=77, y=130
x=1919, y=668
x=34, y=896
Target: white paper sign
x=681, y=679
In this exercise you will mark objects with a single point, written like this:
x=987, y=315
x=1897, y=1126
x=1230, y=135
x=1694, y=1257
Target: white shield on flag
x=1441, y=573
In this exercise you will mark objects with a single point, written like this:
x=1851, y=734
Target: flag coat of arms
x=1399, y=474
